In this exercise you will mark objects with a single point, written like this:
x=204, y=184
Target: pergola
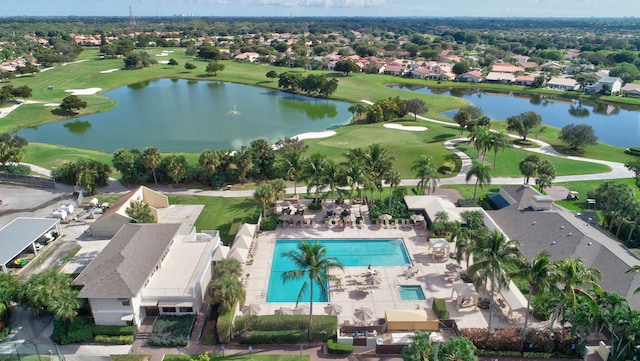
x=16, y=236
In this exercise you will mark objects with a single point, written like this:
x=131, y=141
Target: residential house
x=116, y=216
x=571, y=54
x=631, y=90
x=607, y=85
x=470, y=77
x=506, y=68
x=525, y=80
x=531, y=66
x=564, y=84
x=500, y=78
x=564, y=234
x=147, y=270
x=393, y=70
x=419, y=73
x=552, y=66
x=247, y=57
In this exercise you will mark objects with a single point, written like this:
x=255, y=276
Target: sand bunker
x=404, y=127
x=163, y=62
x=315, y=135
x=51, y=105
x=109, y=71
x=88, y=91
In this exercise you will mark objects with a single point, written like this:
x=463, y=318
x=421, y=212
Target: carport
x=16, y=236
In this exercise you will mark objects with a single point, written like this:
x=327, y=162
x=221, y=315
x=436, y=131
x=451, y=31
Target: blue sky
x=484, y=8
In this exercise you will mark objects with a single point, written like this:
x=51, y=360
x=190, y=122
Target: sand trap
x=163, y=62
x=88, y=91
x=109, y=71
x=315, y=135
x=163, y=54
x=404, y=127
x=51, y=105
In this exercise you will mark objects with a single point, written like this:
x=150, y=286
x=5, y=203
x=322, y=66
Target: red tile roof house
x=250, y=57
x=147, y=270
x=393, y=70
x=506, y=68
x=525, y=80
x=470, y=77
x=420, y=73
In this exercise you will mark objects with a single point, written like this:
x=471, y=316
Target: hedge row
x=324, y=327
x=115, y=340
x=633, y=151
x=273, y=337
x=114, y=330
x=536, y=355
x=223, y=327
x=339, y=349
x=439, y=306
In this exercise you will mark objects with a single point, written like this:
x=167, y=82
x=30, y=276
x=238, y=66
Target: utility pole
x=132, y=19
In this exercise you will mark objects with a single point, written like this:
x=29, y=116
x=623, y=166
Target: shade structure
x=385, y=217
x=242, y=242
x=240, y=254
x=284, y=311
x=374, y=280
x=417, y=218
x=333, y=309
x=220, y=253
x=302, y=309
x=363, y=313
x=251, y=309
x=247, y=230
x=409, y=320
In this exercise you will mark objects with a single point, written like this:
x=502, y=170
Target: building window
x=186, y=309
x=126, y=302
x=168, y=309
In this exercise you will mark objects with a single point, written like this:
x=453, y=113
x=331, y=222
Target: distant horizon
x=321, y=17
x=323, y=8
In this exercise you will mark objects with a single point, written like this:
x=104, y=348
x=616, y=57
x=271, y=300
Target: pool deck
x=433, y=276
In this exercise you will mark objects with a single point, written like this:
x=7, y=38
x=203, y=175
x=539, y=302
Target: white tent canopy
x=240, y=254
x=242, y=242
x=465, y=291
x=220, y=253
x=247, y=230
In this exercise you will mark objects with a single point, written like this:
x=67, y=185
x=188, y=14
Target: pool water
x=411, y=293
x=350, y=252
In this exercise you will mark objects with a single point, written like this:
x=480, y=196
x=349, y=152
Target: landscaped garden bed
x=172, y=330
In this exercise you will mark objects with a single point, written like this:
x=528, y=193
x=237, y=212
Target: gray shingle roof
x=521, y=194
x=124, y=265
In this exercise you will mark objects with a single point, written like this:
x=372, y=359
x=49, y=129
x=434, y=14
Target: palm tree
x=537, y=273
x=393, y=179
x=378, y=162
x=9, y=286
x=482, y=174
x=481, y=138
x=331, y=178
x=208, y=161
x=151, y=159
x=492, y=255
x=176, y=167
x=575, y=278
x=264, y=194
x=312, y=169
x=242, y=159
x=229, y=267
x=293, y=166
x=529, y=166
x=226, y=291
x=499, y=141
x=425, y=170
x=311, y=262
x=635, y=268
x=353, y=173
x=462, y=118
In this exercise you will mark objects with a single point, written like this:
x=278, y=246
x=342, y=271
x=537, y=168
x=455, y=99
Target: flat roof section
x=22, y=231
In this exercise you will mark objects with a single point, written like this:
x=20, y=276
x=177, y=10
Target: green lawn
x=221, y=213
x=585, y=186
x=507, y=164
x=466, y=190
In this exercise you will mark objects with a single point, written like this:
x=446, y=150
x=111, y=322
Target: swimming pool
x=411, y=293
x=351, y=252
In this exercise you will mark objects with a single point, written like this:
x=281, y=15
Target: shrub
x=269, y=223
x=114, y=330
x=5, y=329
x=447, y=168
x=315, y=206
x=440, y=308
x=115, y=340
x=19, y=169
x=508, y=339
x=223, y=327
x=536, y=355
x=323, y=328
x=339, y=349
x=397, y=209
x=633, y=151
x=273, y=337
x=171, y=331
x=79, y=329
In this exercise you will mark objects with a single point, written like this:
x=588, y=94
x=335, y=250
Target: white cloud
x=302, y=3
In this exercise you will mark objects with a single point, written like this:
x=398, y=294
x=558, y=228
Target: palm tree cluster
x=569, y=285
x=542, y=170
x=227, y=290
x=51, y=293
x=621, y=210
x=485, y=140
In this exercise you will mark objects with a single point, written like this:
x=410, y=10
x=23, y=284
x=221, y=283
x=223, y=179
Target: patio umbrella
x=363, y=313
x=385, y=217
x=333, y=309
x=374, y=280
x=417, y=218
x=284, y=311
x=284, y=217
x=251, y=309
x=302, y=309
